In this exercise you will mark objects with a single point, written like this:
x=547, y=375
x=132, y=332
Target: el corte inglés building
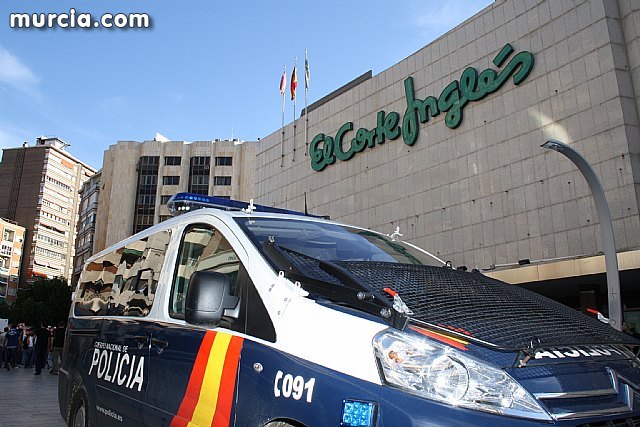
x=447, y=143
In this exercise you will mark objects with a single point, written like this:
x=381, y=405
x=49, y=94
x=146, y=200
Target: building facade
x=42, y=183
x=447, y=143
x=138, y=178
x=10, y=259
x=86, y=226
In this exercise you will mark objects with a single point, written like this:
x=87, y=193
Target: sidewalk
x=29, y=400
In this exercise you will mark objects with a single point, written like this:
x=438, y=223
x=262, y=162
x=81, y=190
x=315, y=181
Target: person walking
x=41, y=347
x=28, y=345
x=3, y=344
x=13, y=338
x=58, y=344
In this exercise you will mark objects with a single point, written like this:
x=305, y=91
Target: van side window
x=204, y=248
x=123, y=282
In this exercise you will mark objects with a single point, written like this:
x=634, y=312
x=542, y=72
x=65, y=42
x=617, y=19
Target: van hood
x=482, y=309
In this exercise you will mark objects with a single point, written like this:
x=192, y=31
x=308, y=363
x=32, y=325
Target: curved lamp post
x=608, y=240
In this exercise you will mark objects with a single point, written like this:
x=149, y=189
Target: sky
x=204, y=70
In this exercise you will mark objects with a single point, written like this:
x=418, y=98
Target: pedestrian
x=41, y=347
x=50, y=329
x=3, y=344
x=21, y=353
x=58, y=344
x=13, y=338
x=28, y=343
x=18, y=356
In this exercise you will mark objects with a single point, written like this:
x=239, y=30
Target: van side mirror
x=208, y=298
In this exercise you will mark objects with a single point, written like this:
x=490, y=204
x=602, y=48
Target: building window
x=172, y=161
x=50, y=253
x=143, y=222
x=170, y=180
x=146, y=195
x=164, y=200
x=51, y=241
x=199, y=180
x=222, y=180
x=199, y=175
x=145, y=200
x=8, y=235
x=201, y=161
x=224, y=161
x=165, y=217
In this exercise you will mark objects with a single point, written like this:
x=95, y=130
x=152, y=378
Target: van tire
x=79, y=409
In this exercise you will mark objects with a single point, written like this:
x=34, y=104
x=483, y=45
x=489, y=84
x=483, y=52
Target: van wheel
x=279, y=424
x=79, y=413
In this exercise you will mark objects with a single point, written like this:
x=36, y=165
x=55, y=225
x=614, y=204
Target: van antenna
x=250, y=208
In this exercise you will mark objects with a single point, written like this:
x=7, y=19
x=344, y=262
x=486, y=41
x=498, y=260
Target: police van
x=233, y=314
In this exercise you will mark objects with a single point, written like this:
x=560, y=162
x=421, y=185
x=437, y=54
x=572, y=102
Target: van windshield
x=331, y=242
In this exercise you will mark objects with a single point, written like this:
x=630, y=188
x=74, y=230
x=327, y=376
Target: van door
x=120, y=367
x=193, y=371
x=117, y=290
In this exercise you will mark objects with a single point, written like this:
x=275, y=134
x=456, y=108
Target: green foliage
x=48, y=300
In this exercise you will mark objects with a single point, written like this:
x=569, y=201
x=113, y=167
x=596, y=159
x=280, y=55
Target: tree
x=48, y=300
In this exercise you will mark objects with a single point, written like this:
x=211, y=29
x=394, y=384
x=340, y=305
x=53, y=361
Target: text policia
x=113, y=363
x=74, y=19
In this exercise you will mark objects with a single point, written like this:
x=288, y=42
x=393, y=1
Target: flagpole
x=306, y=107
x=295, y=71
x=283, y=91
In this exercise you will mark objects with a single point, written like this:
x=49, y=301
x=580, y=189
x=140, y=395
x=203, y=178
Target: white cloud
x=14, y=73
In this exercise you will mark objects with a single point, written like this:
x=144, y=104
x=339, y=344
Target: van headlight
x=441, y=373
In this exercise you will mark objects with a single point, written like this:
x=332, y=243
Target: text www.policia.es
x=74, y=19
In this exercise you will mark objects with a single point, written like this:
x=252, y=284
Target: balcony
x=92, y=207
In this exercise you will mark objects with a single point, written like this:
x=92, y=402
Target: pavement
x=28, y=400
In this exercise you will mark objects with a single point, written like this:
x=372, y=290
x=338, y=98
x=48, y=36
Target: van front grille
x=504, y=315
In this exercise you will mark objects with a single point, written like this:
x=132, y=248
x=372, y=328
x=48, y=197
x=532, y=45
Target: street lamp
x=608, y=239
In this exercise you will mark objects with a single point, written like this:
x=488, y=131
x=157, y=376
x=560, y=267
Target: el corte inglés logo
x=325, y=149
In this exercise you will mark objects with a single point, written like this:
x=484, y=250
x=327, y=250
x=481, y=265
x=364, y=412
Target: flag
x=307, y=73
x=294, y=83
x=283, y=81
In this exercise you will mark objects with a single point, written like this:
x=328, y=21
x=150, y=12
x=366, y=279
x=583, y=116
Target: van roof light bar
x=185, y=202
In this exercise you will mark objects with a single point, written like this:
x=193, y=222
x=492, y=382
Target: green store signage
x=325, y=149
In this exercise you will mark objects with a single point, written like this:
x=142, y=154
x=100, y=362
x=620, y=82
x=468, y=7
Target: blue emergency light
x=357, y=413
x=183, y=202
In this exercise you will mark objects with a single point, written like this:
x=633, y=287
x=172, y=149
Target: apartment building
x=42, y=183
x=10, y=259
x=86, y=224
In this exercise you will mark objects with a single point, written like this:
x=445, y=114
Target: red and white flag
x=283, y=81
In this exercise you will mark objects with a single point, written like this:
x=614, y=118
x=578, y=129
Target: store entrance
x=590, y=292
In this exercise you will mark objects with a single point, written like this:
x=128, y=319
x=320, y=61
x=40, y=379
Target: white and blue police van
x=233, y=314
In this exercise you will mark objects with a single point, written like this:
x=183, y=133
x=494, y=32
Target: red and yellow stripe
x=447, y=339
x=209, y=396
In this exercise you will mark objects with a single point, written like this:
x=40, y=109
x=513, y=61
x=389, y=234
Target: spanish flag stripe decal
x=211, y=389
x=208, y=400
x=452, y=341
x=195, y=382
x=222, y=416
